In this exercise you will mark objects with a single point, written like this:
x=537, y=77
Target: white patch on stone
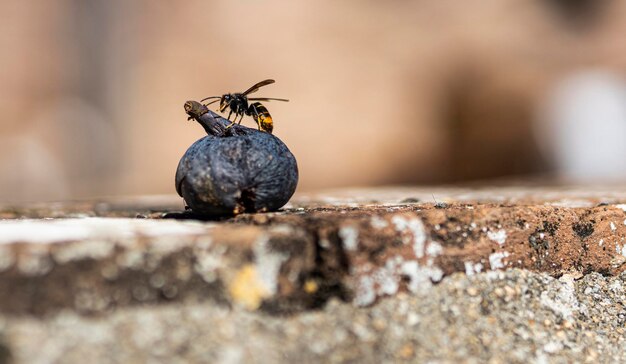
x=208, y=262
x=166, y=245
x=35, y=261
x=64, y=230
x=613, y=227
x=412, y=319
x=386, y=279
x=324, y=243
x=623, y=207
x=420, y=277
x=553, y=347
x=92, y=249
x=601, y=242
x=364, y=292
x=434, y=249
x=231, y=354
x=281, y=229
x=620, y=249
x=571, y=203
x=349, y=237
x=565, y=302
x=616, y=286
x=415, y=226
x=471, y=268
x=268, y=264
x=497, y=236
x=378, y=222
x=130, y=259
x=495, y=260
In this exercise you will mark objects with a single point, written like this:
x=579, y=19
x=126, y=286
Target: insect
x=238, y=104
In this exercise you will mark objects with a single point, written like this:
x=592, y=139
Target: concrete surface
x=499, y=274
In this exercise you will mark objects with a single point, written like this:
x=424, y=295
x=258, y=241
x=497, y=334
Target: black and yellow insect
x=238, y=104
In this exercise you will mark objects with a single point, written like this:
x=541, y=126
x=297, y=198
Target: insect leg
x=231, y=122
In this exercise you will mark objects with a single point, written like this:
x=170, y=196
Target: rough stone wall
x=498, y=274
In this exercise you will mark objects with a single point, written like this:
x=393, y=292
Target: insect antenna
x=211, y=97
x=212, y=102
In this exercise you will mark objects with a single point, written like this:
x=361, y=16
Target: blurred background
x=393, y=92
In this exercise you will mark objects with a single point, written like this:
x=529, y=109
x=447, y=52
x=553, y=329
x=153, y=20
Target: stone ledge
x=497, y=317
x=360, y=249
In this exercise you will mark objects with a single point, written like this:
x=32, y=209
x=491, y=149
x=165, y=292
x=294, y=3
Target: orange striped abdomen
x=262, y=117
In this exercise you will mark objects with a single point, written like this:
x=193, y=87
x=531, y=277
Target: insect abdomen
x=262, y=117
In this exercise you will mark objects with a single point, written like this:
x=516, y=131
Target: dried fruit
x=234, y=170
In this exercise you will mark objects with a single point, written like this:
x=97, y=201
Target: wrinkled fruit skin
x=245, y=170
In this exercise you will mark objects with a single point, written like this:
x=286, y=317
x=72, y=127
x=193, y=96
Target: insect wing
x=265, y=99
x=258, y=86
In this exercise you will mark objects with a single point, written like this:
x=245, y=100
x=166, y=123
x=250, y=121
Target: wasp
x=238, y=104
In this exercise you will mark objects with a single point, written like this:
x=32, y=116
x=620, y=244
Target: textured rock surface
x=392, y=263
x=512, y=317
